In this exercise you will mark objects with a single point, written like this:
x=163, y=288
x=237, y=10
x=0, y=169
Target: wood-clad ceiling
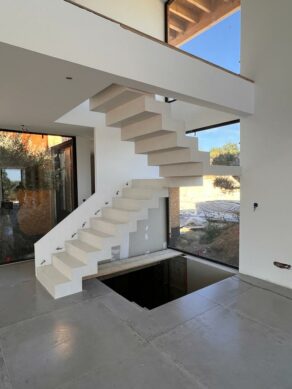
x=188, y=18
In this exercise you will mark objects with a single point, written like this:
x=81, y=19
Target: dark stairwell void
x=165, y=281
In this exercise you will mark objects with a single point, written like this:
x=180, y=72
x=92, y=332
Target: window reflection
x=36, y=189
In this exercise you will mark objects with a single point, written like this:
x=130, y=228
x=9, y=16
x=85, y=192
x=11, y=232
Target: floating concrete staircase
x=148, y=122
x=91, y=245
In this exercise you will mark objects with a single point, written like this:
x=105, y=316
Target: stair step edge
x=52, y=275
x=82, y=245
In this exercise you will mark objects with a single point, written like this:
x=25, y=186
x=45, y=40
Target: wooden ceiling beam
x=223, y=10
x=177, y=25
x=203, y=5
x=185, y=13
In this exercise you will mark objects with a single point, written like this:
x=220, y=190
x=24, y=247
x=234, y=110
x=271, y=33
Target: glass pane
x=223, y=143
x=204, y=220
x=30, y=184
x=213, y=34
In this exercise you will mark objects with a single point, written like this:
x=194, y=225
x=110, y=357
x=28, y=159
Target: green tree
x=6, y=185
x=228, y=155
x=18, y=152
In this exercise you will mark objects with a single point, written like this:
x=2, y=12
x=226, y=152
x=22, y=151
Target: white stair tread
x=112, y=221
x=97, y=233
x=51, y=273
x=69, y=260
x=82, y=245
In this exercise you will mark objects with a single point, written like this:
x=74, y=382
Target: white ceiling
x=34, y=91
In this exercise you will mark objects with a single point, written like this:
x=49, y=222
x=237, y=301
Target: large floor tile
x=29, y=299
x=148, y=369
x=120, y=306
x=150, y=324
x=224, y=350
x=280, y=290
x=47, y=351
x=16, y=273
x=225, y=292
x=268, y=308
x=4, y=378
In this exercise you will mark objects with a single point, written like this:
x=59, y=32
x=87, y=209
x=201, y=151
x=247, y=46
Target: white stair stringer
x=93, y=244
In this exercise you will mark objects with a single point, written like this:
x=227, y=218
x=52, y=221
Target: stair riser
x=80, y=254
x=129, y=120
x=144, y=206
x=107, y=228
x=131, y=215
x=138, y=193
x=148, y=184
x=75, y=273
x=182, y=170
x=60, y=290
x=150, y=127
x=115, y=214
x=91, y=239
x=158, y=143
x=99, y=242
x=139, y=109
x=112, y=97
x=177, y=156
x=175, y=182
x=169, y=157
x=167, y=141
x=142, y=128
x=150, y=134
x=114, y=229
x=172, y=141
x=132, y=205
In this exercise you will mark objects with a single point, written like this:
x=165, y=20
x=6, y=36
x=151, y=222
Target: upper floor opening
x=208, y=29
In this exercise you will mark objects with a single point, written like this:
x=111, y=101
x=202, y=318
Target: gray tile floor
x=234, y=334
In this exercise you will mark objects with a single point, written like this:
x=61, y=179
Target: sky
x=217, y=137
x=13, y=174
x=220, y=45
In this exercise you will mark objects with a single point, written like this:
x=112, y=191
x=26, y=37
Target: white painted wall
x=84, y=148
x=117, y=55
x=116, y=162
x=146, y=16
x=266, y=141
x=151, y=234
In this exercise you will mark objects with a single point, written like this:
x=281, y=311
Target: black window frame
x=222, y=124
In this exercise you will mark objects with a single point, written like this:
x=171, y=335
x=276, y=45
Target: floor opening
x=165, y=281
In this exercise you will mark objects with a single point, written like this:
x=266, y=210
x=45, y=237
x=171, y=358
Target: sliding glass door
x=37, y=189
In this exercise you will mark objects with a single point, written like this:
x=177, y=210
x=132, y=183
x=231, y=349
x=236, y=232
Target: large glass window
x=204, y=220
x=207, y=29
x=36, y=189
